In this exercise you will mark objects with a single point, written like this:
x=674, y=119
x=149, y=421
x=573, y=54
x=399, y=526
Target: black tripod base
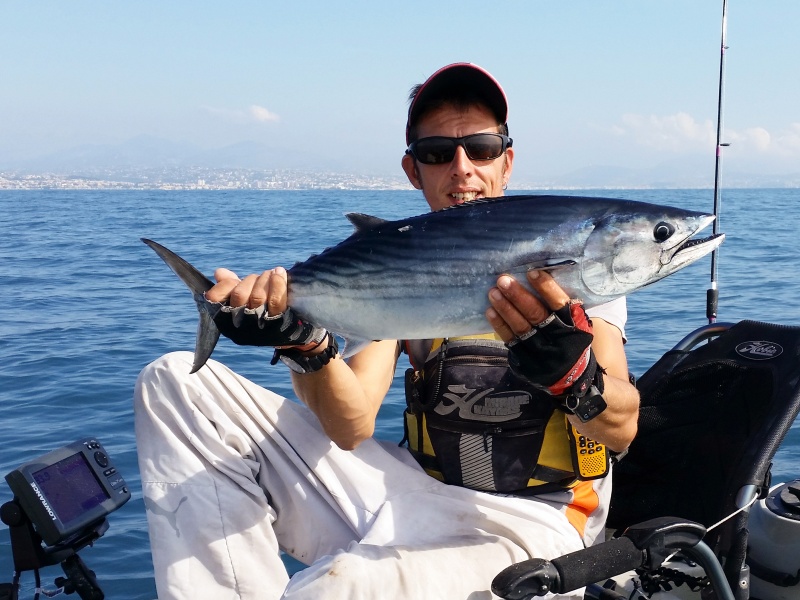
x=30, y=555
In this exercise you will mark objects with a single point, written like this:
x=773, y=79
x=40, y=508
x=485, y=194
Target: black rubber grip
x=596, y=563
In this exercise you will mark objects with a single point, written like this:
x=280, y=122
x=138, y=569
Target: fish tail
x=198, y=284
x=207, y=338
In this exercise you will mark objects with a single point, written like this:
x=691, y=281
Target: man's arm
x=616, y=426
x=515, y=310
x=346, y=395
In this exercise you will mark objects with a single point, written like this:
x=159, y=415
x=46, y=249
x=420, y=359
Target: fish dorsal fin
x=364, y=222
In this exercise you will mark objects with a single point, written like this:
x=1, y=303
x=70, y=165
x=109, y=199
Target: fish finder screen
x=70, y=487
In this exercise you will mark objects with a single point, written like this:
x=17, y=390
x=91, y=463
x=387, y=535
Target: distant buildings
x=197, y=179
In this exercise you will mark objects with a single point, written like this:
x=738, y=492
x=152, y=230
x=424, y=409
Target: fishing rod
x=712, y=294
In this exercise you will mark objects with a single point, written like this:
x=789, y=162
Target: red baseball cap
x=457, y=76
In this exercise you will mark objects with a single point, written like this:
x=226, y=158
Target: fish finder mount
x=60, y=505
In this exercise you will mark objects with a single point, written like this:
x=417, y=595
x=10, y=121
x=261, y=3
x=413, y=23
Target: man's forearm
x=346, y=397
x=616, y=426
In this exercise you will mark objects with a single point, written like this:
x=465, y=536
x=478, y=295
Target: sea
x=86, y=305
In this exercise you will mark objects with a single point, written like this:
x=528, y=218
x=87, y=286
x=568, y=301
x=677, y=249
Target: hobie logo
x=759, y=350
x=479, y=405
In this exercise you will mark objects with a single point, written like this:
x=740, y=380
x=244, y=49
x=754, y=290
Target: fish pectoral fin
x=364, y=222
x=353, y=346
x=550, y=265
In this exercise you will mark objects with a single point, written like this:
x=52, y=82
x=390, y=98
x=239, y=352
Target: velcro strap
x=254, y=327
x=556, y=354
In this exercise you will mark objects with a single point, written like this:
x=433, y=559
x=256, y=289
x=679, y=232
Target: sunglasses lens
x=483, y=146
x=441, y=150
x=434, y=151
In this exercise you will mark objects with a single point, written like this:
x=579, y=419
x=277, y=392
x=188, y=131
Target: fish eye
x=662, y=231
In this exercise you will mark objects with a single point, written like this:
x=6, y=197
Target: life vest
x=469, y=421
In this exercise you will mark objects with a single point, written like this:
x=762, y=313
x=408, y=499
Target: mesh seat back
x=711, y=420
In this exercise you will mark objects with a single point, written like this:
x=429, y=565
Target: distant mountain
x=660, y=176
x=255, y=155
x=685, y=173
x=150, y=152
x=140, y=151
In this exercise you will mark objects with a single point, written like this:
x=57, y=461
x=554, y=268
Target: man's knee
x=172, y=362
x=159, y=377
x=165, y=368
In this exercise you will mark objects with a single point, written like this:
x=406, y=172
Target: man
x=233, y=473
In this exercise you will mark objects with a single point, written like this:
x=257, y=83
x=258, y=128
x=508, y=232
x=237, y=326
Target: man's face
x=462, y=179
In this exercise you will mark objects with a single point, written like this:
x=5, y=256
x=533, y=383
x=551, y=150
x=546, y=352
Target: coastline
x=246, y=179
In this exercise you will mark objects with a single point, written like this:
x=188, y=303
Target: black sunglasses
x=439, y=150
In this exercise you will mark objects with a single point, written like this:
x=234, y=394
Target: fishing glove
x=556, y=355
x=254, y=327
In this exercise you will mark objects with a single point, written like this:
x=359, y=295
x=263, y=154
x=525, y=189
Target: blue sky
x=591, y=83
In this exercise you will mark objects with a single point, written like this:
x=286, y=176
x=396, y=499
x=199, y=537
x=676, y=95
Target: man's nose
x=461, y=163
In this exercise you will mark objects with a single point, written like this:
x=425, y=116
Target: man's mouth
x=464, y=196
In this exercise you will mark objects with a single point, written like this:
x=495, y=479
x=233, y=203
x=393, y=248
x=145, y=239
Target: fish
x=428, y=276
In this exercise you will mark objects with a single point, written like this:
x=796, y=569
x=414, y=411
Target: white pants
x=233, y=473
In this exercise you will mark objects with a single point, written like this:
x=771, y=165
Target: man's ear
x=508, y=165
x=410, y=167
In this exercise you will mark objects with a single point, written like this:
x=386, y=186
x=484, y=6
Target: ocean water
x=86, y=305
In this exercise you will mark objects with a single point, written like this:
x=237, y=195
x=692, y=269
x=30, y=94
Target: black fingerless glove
x=556, y=355
x=254, y=327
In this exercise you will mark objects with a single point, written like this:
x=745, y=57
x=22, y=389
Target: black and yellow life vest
x=469, y=421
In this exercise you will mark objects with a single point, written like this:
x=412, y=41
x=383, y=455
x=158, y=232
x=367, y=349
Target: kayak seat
x=713, y=414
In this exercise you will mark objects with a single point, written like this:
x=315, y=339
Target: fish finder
x=61, y=499
x=68, y=490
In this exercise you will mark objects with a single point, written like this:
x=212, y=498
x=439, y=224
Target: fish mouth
x=690, y=243
x=691, y=249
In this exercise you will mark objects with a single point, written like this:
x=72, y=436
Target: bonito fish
x=428, y=276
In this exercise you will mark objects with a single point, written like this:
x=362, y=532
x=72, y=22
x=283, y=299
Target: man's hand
x=254, y=311
x=549, y=340
x=269, y=288
x=515, y=309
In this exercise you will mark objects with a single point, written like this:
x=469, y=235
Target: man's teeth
x=465, y=196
